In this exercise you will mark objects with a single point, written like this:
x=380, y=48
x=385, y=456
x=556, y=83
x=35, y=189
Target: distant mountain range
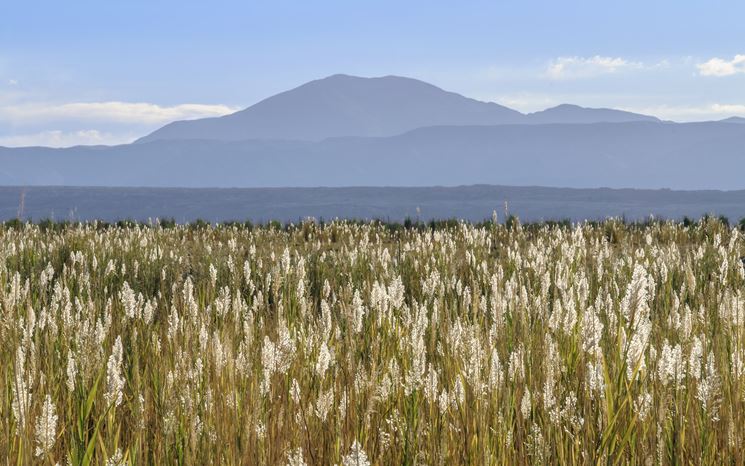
x=342, y=105
x=733, y=120
x=393, y=131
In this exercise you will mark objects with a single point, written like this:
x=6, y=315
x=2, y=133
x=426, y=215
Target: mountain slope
x=738, y=120
x=575, y=114
x=342, y=105
x=634, y=155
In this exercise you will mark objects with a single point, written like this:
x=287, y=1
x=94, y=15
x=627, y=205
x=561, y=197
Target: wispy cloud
x=720, y=67
x=728, y=109
x=91, y=123
x=58, y=138
x=117, y=112
x=587, y=67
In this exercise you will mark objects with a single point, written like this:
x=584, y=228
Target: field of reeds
x=357, y=344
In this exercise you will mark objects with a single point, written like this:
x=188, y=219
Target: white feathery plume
x=117, y=459
x=356, y=456
x=114, y=379
x=295, y=458
x=21, y=391
x=46, y=428
x=324, y=360
x=72, y=371
x=670, y=366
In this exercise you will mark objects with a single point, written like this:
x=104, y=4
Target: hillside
x=342, y=106
x=637, y=154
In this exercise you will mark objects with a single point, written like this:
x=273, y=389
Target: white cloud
x=118, y=112
x=12, y=82
x=69, y=124
x=587, y=67
x=721, y=67
x=57, y=138
x=733, y=109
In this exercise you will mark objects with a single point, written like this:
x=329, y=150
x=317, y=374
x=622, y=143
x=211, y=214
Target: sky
x=107, y=72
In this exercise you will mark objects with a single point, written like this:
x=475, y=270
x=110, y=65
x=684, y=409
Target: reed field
x=372, y=344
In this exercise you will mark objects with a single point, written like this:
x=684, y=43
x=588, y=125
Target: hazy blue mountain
x=739, y=120
x=392, y=131
x=342, y=105
x=567, y=113
x=635, y=154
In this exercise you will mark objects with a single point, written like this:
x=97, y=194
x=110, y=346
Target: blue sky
x=110, y=71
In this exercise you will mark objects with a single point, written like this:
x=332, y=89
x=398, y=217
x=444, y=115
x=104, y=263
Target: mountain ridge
x=707, y=155
x=575, y=114
x=371, y=133
x=343, y=105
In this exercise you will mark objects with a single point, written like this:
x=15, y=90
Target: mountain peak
x=734, y=119
x=566, y=107
x=342, y=105
x=569, y=113
x=343, y=82
x=352, y=77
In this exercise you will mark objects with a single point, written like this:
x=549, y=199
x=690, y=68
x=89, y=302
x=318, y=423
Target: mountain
x=393, y=131
x=738, y=120
x=632, y=154
x=342, y=105
x=567, y=113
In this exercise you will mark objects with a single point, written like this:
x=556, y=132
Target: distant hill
x=393, y=131
x=567, y=113
x=342, y=105
x=733, y=120
x=635, y=154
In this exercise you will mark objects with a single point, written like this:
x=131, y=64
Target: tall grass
x=363, y=344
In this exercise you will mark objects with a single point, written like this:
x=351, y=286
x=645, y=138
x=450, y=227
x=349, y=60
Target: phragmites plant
x=372, y=344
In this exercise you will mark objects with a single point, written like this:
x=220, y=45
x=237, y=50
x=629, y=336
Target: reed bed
x=359, y=344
